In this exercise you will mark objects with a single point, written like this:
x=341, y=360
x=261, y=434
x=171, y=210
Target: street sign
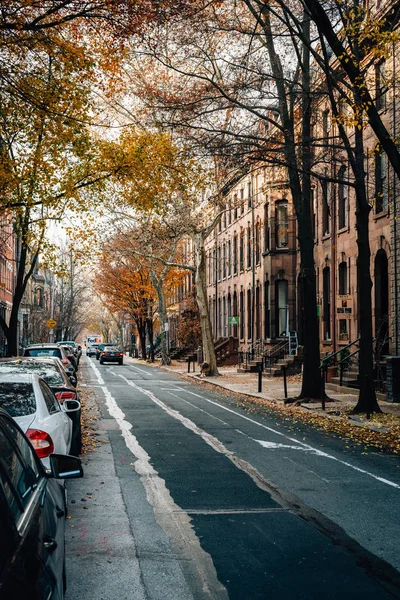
x=234, y=320
x=51, y=323
x=166, y=326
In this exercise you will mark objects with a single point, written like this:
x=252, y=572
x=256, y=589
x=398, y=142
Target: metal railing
x=271, y=357
x=341, y=363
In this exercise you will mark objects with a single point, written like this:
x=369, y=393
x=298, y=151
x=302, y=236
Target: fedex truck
x=92, y=341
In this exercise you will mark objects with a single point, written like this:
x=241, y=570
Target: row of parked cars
x=40, y=432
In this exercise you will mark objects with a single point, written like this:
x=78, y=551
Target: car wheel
x=101, y=361
x=121, y=362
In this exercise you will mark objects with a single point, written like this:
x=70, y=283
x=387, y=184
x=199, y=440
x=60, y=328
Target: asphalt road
x=200, y=498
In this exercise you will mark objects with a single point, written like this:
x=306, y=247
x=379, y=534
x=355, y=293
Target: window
x=241, y=251
x=235, y=204
x=241, y=319
x=228, y=258
x=242, y=200
x=249, y=195
x=19, y=470
x=257, y=248
x=235, y=313
x=219, y=263
x=343, y=279
x=249, y=246
x=235, y=254
x=282, y=225
x=326, y=124
x=266, y=228
x=380, y=85
x=326, y=274
x=282, y=305
x=224, y=261
x=326, y=206
x=51, y=401
x=313, y=209
x=343, y=329
x=266, y=310
x=342, y=198
x=249, y=316
x=258, y=312
x=229, y=306
x=214, y=266
x=380, y=181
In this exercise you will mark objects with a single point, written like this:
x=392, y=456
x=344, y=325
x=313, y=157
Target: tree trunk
x=311, y=381
x=149, y=328
x=162, y=312
x=367, y=402
x=311, y=386
x=209, y=355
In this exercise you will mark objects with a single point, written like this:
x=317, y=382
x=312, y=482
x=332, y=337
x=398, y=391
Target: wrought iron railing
x=272, y=356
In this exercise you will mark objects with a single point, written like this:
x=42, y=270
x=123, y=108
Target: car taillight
x=65, y=395
x=119, y=354
x=41, y=441
x=105, y=354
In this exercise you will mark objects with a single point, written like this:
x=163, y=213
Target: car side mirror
x=72, y=380
x=65, y=467
x=71, y=405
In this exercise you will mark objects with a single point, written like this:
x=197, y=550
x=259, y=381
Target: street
x=189, y=495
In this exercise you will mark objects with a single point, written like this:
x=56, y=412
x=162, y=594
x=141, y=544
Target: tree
x=126, y=285
x=226, y=75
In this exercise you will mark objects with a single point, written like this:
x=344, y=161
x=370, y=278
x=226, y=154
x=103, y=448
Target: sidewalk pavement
x=337, y=410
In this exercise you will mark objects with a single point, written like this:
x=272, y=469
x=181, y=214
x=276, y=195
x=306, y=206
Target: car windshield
x=49, y=373
x=43, y=352
x=18, y=399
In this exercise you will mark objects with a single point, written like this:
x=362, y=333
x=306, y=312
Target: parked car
x=70, y=355
x=50, y=369
x=32, y=523
x=71, y=343
x=111, y=354
x=30, y=401
x=39, y=350
x=75, y=347
x=91, y=349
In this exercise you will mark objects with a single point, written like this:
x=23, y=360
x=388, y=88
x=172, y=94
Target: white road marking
x=172, y=518
x=207, y=437
x=298, y=442
x=275, y=446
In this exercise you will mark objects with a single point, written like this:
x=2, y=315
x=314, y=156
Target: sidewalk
x=381, y=430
